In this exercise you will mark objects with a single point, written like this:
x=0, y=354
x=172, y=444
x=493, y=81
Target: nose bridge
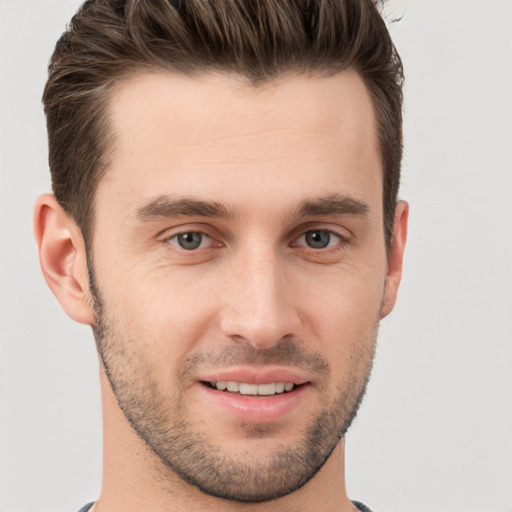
x=259, y=304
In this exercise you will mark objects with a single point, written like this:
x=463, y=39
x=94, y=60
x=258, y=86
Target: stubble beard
x=190, y=454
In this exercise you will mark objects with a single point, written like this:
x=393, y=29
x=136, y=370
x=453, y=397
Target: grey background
x=435, y=431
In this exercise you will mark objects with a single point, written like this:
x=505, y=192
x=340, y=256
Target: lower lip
x=258, y=409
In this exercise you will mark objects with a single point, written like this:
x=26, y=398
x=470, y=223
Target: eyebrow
x=334, y=204
x=164, y=207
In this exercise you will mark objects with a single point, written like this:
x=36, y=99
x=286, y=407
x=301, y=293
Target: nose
x=259, y=301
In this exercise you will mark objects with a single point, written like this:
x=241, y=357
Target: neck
x=135, y=480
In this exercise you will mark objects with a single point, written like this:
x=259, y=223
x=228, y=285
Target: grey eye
x=318, y=239
x=189, y=241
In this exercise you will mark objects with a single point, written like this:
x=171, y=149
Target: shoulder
x=87, y=507
x=361, y=506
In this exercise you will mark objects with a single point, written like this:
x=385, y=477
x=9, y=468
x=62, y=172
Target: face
x=239, y=273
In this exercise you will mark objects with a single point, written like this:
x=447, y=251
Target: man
x=225, y=218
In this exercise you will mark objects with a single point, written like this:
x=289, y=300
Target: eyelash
x=177, y=235
x=340, y=243
x=340, y=239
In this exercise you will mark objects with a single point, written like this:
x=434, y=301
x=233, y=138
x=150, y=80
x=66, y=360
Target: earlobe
x=395, y=257
x=62, y=257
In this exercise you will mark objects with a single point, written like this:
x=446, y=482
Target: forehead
x=175, y=134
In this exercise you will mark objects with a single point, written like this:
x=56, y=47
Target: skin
x=254, y=296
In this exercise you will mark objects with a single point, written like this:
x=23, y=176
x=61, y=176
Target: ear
x=395, y=257
x=63, y=258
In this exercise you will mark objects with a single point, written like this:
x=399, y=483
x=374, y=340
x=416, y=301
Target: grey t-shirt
x=360, y=506
x=87, y=507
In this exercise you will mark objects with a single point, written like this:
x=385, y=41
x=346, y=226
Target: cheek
x=343, y=312
x=352, y=290
x=345, y=325
x=165, y=313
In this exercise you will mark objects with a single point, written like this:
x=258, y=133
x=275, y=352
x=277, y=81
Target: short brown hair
x=108, y=40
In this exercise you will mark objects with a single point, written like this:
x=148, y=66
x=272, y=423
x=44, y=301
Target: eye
x=318, y=239
x=191, y=240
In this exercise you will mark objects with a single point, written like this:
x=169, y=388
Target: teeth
x=271, y=388
x=234, y=387
x=267, y=389
x=248, y=389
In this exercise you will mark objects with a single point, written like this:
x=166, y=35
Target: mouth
x=254, y=397
x=244, y=388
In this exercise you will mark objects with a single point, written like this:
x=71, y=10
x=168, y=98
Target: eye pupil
x=318, y=239
x=190, y=241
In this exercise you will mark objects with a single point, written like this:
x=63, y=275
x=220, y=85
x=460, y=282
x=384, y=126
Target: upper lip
x=255, y=375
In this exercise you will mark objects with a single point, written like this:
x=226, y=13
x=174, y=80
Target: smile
x=244, y=388
x=256, y=394
x=263, y=402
